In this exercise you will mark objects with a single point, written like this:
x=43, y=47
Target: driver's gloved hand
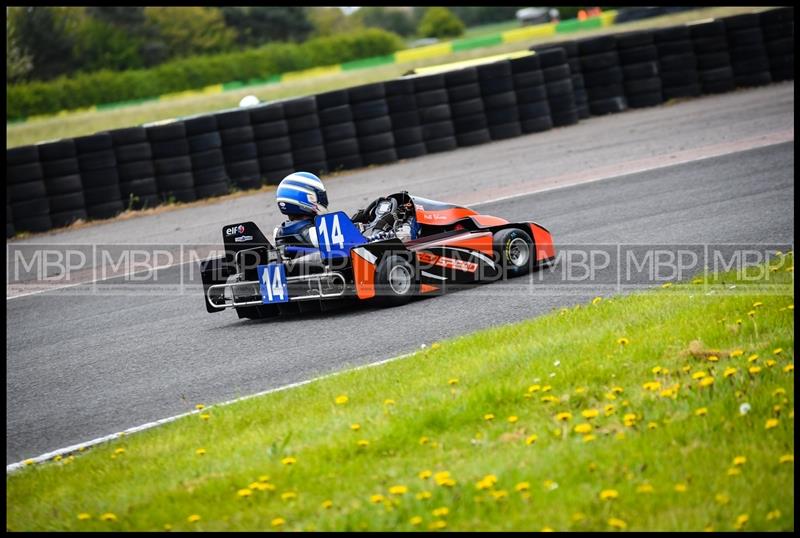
x=359, y=216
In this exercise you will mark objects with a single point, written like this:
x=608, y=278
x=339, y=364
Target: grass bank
x=87, y=122
x=666, y=410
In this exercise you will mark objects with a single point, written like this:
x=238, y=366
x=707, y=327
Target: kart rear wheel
x=514, y=250
x=395, y=281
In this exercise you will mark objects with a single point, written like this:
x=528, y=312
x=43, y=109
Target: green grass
x=417, y=417
x=79, y=123
x=489, y=29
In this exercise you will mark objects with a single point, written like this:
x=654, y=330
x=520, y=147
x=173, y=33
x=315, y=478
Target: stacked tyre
x=62, y=180
x=10, y=230
x=558, y=83
x=748, y=53
x=99, y=177
x=602, y=74
x=499, y=99
x=305, y=136
x=777, y=25
x=466, y=107
x=677, y=62
x=25, y=190
x=271, y=132
x=205, y=153
x=404, y=115
x=239, y=148
x=373, y=124
x=713, y=61
x=532, y=103
x=640, y=78
x=578, y=84
x=338, y=131
x=171, y=160
x=137, y=175
x=433, y=106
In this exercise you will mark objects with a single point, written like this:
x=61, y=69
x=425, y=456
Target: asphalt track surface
x=82, y=365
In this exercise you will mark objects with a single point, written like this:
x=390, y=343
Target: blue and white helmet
x=302, y=193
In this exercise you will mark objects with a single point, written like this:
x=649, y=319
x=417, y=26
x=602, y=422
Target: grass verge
x=598, y=417
x=71, y=124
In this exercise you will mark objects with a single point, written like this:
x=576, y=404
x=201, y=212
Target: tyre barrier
x=54, y=183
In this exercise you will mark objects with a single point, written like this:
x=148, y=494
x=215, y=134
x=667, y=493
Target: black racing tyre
x=778, y=31
x=169, y=148
x=642, y=100
x=607, y=106
x=557, y=72
x=753, y=65
x=92, y=143
x=606, y=92
x=370, y=109
x=65, y=218
x=570, y=47
x=597, y=45
x=138, y=187
x=648, y=53
x=401, y=103
x=527, y=79
x=243, y=171
x=99, y=178
x=687, y=90
x=437, y=145
x=671, y=48
x=23, y=173
x=30, y=208
x=211, y=190
x=473, y=138
x=536, y=125
x=629, y=40
x=167, y=131
x=559, y=103
x=640, y=70
x=270, y=129
x=678, y=78
x=505, y=130
x=300, y=106
x=339, y=148
x=54, y=151
x=300, y=139
x=273, y=177
x=578, y=83
x=599, y=62
x=381, y=124
x=712, y=75
x=500, y=100
x=776, y=16
x=719, y=86
x=172, y=165
x=565, y=117
x=303, y=123
x=464, y=92
x=136, y=170
x=313, y=154
x=97, y=160
x=466, y=108
x=526, y=64
x=514, y=252
x=714, y=60
x=383, y=156
x=531, y=94
x=534, y=110
x=496, y=85
x=197, y=125
x=432, y=98
x=583, y=111
x=20, y=192
x=710, y=44
x=395, y=281
x=494, y=70
x=204, y=142
x=340, y=131
x=30, y=154
x=753, y=79
x=559, y=87
x=376, y=142
x=267, y=113
x=133, y=152
x=399, y=86
x=708, y=29
x=96, y=196
x=236, y=135
x=428, y=82
x=40, y=223
x=574, y=64
x=209, y=176
x=345, y=162
x=411, y=151
x=233, y=119
x=63, y=184
x=440, y=129
x=612, y=75
x=334, y=115
x=178, y=181
x=467, y=124
x=408, y=135
x=644, y=85
x=780, y=47
x=467, y=75
x=128, y=136
x=281, y=161
x=334, y=99
x=401, y=120
x=738, y=22
x=671, y=33
x=245, y=152
x=207, y=159
x=500, y=116
x=551, y=57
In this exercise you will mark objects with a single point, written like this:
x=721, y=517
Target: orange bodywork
x=443, y=217
x=481, y=241
x=488, y=220
x=364, y=276
x=427, y=288
x=543, y=241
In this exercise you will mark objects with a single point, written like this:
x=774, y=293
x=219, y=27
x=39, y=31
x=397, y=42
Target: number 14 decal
x=336, y=236
x=272, y=281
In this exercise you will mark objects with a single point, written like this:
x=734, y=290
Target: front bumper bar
x=327, y=285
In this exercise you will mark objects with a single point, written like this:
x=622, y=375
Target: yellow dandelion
x=698, y=375
x=199, y=407
x=547, y=529
x=549, y=399
x=534, y=388
x=547, y=388
x=757, y=304
x=200, y=451
x=355, y=427
x=652, y=385
x=288, y=495
x=589, y=438
x=617, y=523
x=442, y=511
x=453, y=381
x=416, y=520
x=488, y=416
x=499, y=495
x=278, y=522
x=438, y=524
x=729, y=372
x=656, y=370
x=712, y=358
x=774, y=514
x=376, y=499
x=771, y=423
x=737, y=353
x=706, y=381
x=362, y=443
x=681, y=487
x=722, y=498
x=596, y=300
x=194, y=518
x=512, y=419
x=751, y=313
x=753, y=357
x=770, y=363
x=777, y=351
x=687, y=368
x=289, y=460
x=738, y=321
x=608, y=410
x=205, y=416
x=108, y=516
x=531, y=439
x=666, y=285
x=244, y=492
x=423, y=440
x=328, y=504
x=442, y=477
x=398, y=490
x=584, y=427
x=741, y=521
x=788, y=368
x=629, y=419
x=701, y=411
x=388, y=402
x=581, y=390
x=617, y=390
x=734, y=471
x=563, y=416
x=645, y=488
x=342, y=399
x=754, y=369
x=119, y=451
x=608, y=494
x=786, y=458
x=423, y=495
x=522, y=486
x=652, y=425
x=578, y=516
x=590, y=413
x=83, y=516
x=623, y=341
x=425, y=474
x=739, y=460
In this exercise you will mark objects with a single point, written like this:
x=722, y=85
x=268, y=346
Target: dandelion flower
x=584, y=427
x=666, y=285
x=288, y=495
x=774, y=514
x=534, y=388
x=608, y=494
x=549, y=399
x=362, y=443
x=786, y=458
x=453, y=381
x=425, y=474
x=488, y=416
x=751, y=313
x=289, y=460
x=423, y=440
x=547, y=388
x=388, y=402
x=645, y=488
x=729, y=372
x=205, y=416
x=596, y=300
x=617, y=390
x=629, y=419
x=438, y=524
x=652, y=385
x=199, y=407
x=328, y=504
x=589, y=438
x=119, y=451
x=608, y=410
x=734, y=471
x=416, y=520
x=617, y=523
x=590, y=413
x=757, y=304
x=563, y=417
x=652, y=425
x=108, y=516
x=278, y=522
x=376, y=499
x=531, y=439
x=623, y=341
x=499, y=495
x=754, y=369
x=737, y=353
x=741, y=521
x=522, y=486
x=706, y=381
x=398, y=490
x=423, y=495
x=770, y=363
x=244, y=492
x=771, y=423
x=701, y=412
x=341, y=400
x=681, y=487
x=200, y=451
x=698, y=375
x=722, y=498
x=194, y=518
x=550, y=485
x=712, y=358
x=547, y=529
x=739, y=460
x=442, y=511
x=512, y=419
x=788, y=368
x=83, y=516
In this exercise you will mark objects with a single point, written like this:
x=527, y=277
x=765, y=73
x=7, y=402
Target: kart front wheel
x=395, y=281
x=514, y=251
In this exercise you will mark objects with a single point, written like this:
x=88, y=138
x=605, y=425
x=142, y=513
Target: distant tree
x=440, y=22
x=191, y=30
x=18, y=62
x=477, y=15
x=99, y=45
x=330, y=21
x=47, y=34
x=394, y=20
x=258, y=25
